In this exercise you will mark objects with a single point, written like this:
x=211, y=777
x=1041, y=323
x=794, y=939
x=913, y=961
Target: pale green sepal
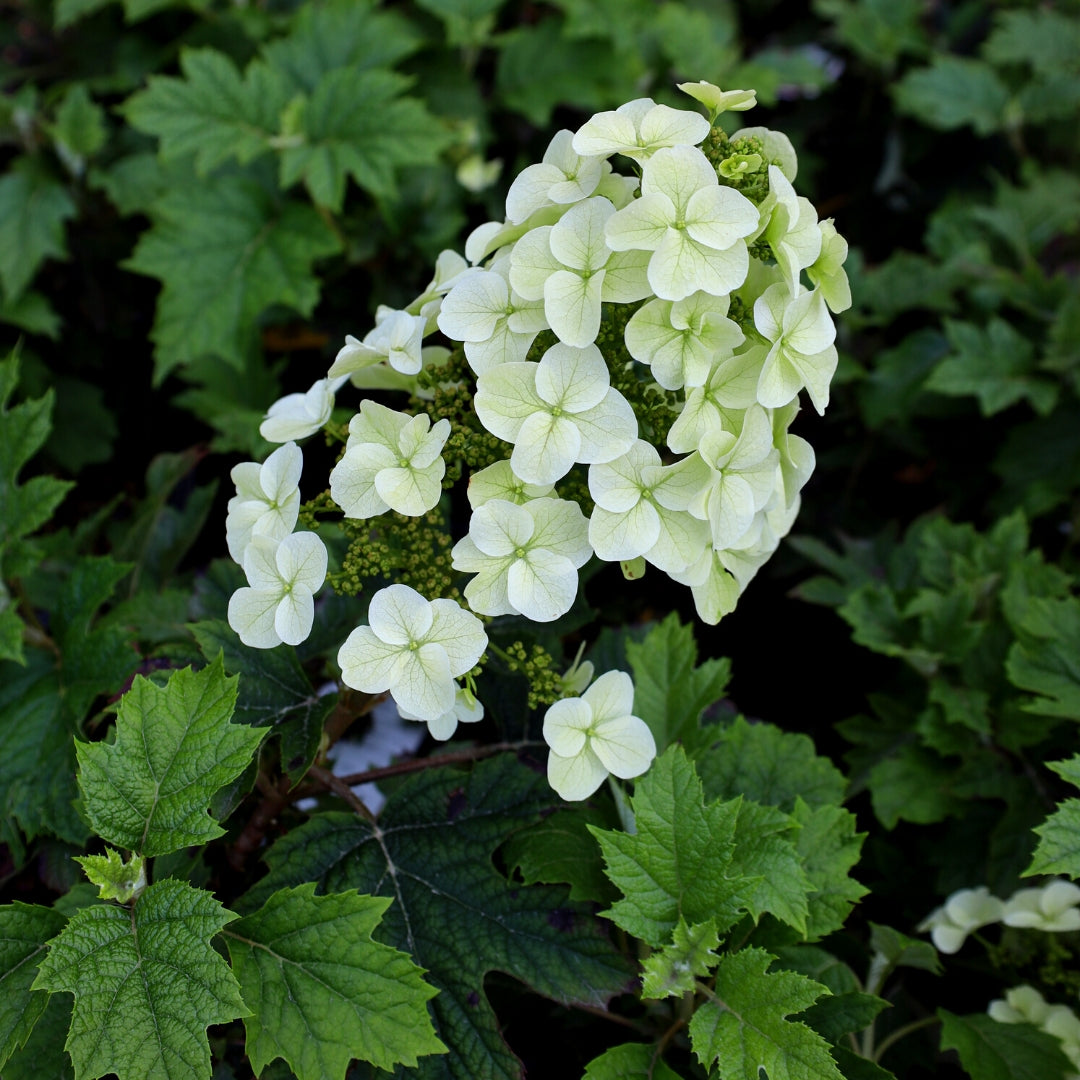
x=672, y=971
x=132, y=969
x=115, y=878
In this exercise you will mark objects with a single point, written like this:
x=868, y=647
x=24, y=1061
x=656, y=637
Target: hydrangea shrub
x=611, y=371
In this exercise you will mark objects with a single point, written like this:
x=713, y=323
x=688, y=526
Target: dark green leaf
x=954, y=91
x=990, y=1050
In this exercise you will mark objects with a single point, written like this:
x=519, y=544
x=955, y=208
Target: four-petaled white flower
x=801, y=352
x=391, y=462
x=556, y=412
x=569, y=266
x=283, y=577
x=964, y=911
x=267, y=500
x=562, y=177
x=789, y=225
x=498, y=481
x=693, y=226
x=525, y=558
x=638, y=129
x=1052, y=906
x=596, y=734
x=296, y=416
x=397, y=339
x=415, y=648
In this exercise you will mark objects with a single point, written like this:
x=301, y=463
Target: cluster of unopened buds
x=635, y=347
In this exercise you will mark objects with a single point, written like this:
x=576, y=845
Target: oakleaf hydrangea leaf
x=322, y=991
x=24, y=931
x=149, y=790
x=225, y=250
x=991, y=1050
x=454, y=912
x=746, y=1030
x=630, y=1061
x=147, y=983
x=1059, y=836
x=676, y=865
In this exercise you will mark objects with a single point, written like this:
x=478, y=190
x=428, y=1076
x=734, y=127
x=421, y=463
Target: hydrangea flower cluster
x=627, y=351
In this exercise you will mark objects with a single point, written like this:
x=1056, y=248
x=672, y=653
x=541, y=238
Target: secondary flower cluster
x=1054, y=907
x=636, y=344
x=1025, y=1005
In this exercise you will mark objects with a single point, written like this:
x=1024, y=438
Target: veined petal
x=280, y=472
x=605, y=133
x=719, y=216
x=561, y=527
x=532, y=263
x=577, y=241
x=808, y=327
x=565, y=725
x=505, y=397
x=499, y=482
x=577, y=777
x=498, y=527
x=611, y=696
x=607, y=430
x=731, y=509
x=626, y=277
x=424, y=685
x=375, y=423
x=664, y=126
x=294, y=615
x=301, y=560
x=573, y=378
x=486, y=593
x=624, y=745
x=546, y=447
x=617, y=485
x=681, y=266
x=572, y=306
x=251, y=615
x=352, y=479
x=677, y=172
x=411, y=491
x=261, y=565
x=529, y=191
x=471, y=308
x=247, y=476
x=400, y=615
x=682, y=540
x=642, y=224
x=460, y=633
x=543, y=585
x=616, y=537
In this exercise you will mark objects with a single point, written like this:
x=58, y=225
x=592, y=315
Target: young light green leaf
x=322, y=992
x=767, y=765
x=147, y=983
x=630, y=1061
x=1059, y=836
x=33, y=209
x=670, y=691
x=671, y=971
x=174, y=748
x=744, y=1029
x=24, y=931
x=991, y=1050
x=116, y=878
x=677, y=865
x=225, y=250
x=454, y=913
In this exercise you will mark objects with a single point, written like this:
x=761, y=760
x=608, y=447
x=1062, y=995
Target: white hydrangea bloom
x=414, y=648
x=801, y=353
x=556, y=412
x=596, y=734
x=641, y=509
x=1053, y=906
x=827, y=271
x=497, y=324
x=964, y=911
x=397, y=339
x=465, y=710
x=682, y=340
x=392, y=461
x=789, y=225
x=744, y=468
x=638, y=129
x=563, y=176
x=498, y=481
x=267, y=500
x=569, y=266
x=525, y=558
x=283, y=577
x=296, y=416
x=693, y=226
x=730, y=389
